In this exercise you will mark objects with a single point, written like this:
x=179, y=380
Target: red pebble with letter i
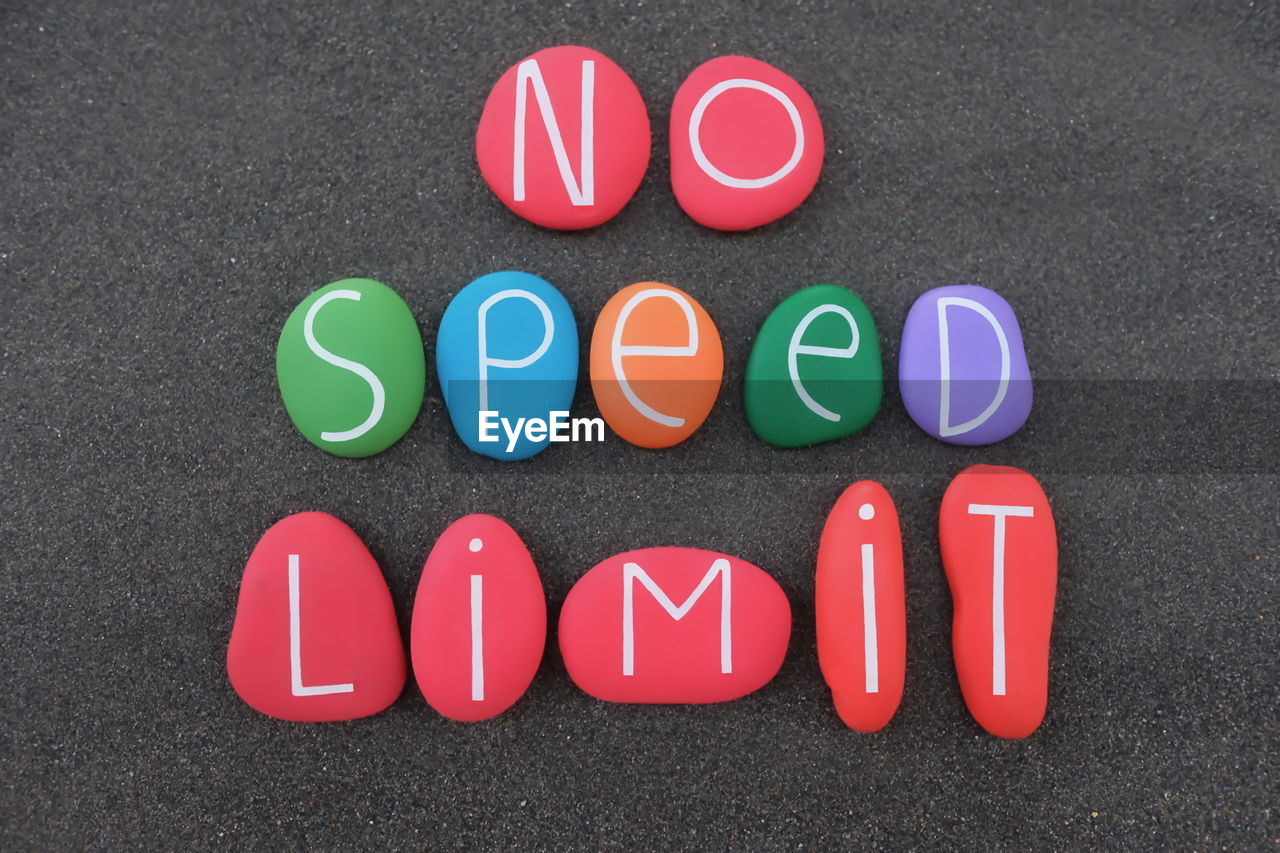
x=315, y=635
x=860, y=607
x=479, y=620
x=1000, y=553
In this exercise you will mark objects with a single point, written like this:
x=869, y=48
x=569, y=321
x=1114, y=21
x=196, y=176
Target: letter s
x=375, y=385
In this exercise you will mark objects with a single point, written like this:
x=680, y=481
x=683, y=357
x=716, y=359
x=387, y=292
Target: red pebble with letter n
x=564, y=138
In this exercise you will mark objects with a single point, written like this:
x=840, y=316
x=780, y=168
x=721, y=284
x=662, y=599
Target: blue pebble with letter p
x=508, y=345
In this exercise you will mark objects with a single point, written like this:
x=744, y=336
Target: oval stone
x=351, y=367
x=746, y=144
x=564, y=138
x=814, y=374
x=1000, y=553
x=507, y=345
x=962, y=368
x=860, y=606
x=479, y=620
x=674, y=625
x=656, y=364
x=315, y=635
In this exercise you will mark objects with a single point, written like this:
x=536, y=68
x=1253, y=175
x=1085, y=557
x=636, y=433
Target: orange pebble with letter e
x=656, y=364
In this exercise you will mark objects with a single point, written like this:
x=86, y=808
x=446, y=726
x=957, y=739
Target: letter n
x=529, y=74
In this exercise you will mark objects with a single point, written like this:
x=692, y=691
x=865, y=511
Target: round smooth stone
x=315, y=635
x=507, y=345
x=656, y=364
x=1000, y=553
x=746, y=144
x=674, y=625
x=479, y=620
x=814, y=374
x=860, y=606
x=564, y=138
x=962, y=367
x=351, y=367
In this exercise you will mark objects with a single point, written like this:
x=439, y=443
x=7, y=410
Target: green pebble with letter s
x=814, y=374
x=351, y=367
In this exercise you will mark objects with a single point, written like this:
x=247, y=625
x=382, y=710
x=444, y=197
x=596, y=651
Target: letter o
x=695, y=121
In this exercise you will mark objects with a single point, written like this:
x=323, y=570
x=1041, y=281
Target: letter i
x=870, y=649
x=477, y=630
x=861, y=609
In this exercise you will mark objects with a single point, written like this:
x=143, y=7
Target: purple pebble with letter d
x=962, y=369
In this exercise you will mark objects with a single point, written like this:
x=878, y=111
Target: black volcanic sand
x=177, y=176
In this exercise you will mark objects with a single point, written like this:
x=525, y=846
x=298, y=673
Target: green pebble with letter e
x=351, y=367
x=814, y=374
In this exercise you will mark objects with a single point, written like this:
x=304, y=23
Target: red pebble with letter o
x=564, y=138
x=315, y=635
x=860, y=607
x=746, y=144
x=1000, y=553
x=479, y=620
x=674, y=625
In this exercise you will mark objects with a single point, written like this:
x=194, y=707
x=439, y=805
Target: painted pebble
x=564, y=138
x=814, y=374
x=479, y=620
x=674, y=625
x=315, y=635
x=351, y=367
x=1000, y=552
x=860, y=607
x=746, y=144
x=507, y=346
x=962, y=368
x=656, y=364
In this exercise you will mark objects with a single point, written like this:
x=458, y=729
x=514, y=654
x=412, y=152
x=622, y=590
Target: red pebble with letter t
x=564, y=138
x=674, y=625
x=315, y=635
x=746, y=144
x=479, y=620
x=860, y=607
x=1000, y=552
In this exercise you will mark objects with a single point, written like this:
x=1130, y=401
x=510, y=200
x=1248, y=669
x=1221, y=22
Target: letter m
x=631, y=572
x=529, y=74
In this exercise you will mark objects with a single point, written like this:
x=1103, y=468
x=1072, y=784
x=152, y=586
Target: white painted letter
x=485, y=361
x=870, y=650
x=632, y=572
x=944, y=353
x=477, y=638
x=375, y=385
x=295, y=642
x=695, y=143
x=618, y=351
x=997, y=585
x=796, y=348
x=528, y=73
